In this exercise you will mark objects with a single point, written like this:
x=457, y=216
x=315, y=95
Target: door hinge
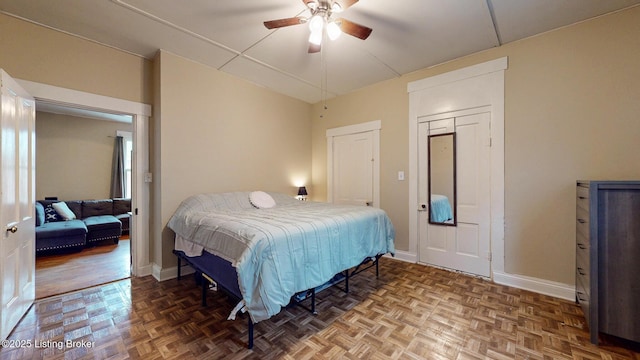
x=489, y=255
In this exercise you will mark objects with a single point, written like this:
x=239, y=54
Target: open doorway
x=77, y=152
x=141, y=177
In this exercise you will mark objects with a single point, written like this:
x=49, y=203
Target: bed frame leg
x=205, y=285
x=377, y=269
x=313, y=302
x=250, y=333
x=179, y=267
x=346, y=281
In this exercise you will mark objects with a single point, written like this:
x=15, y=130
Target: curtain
x=117, y=169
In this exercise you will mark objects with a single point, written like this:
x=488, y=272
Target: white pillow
x=261, y=200
x=63, y=210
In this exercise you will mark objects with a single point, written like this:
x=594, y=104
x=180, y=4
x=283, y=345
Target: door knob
x=12, y=229
x=369, y=203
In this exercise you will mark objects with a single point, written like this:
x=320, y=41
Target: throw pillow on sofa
x=39, y=214
x=63, y=210
x=51, y=215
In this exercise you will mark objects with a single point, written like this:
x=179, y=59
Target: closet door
x=465, y=247
x=353, y=169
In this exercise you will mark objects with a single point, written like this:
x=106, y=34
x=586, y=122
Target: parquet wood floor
x=410, y=312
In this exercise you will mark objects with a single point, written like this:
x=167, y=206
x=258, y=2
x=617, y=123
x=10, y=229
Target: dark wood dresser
x=608, y=257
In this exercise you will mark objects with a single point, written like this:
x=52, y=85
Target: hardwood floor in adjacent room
x=410, y=312
x=62, y=273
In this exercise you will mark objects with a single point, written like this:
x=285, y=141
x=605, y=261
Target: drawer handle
x=581, y=221
x=582, y=197
x=581, y=246
x=581, y=271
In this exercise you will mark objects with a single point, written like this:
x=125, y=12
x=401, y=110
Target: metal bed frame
x=213, y=270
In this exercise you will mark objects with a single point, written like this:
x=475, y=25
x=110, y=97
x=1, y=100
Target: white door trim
x=140, y=195
x=483, y=85
x=373, y=126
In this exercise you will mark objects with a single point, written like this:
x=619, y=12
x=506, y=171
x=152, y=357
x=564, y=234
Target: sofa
x=79, y=223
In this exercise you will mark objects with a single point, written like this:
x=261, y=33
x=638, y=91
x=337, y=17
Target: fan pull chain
x=323, y=76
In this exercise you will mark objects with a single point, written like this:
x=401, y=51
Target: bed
x=275, y=246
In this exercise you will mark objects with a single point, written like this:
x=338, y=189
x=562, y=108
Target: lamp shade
x=302, y=191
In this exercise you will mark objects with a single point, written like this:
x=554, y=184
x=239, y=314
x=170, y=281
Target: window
x=127, y=142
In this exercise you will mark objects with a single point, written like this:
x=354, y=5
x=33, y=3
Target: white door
x=17, y=242
x=353, y=169
x=465, y=247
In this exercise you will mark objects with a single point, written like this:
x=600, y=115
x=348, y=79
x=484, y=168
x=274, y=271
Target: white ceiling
x=407, y=35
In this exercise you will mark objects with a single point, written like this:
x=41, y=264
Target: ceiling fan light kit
x=320, y=22
x=315, y=37
x=333, y=30
x=317, y=23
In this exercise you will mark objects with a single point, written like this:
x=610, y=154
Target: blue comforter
x=277, y=252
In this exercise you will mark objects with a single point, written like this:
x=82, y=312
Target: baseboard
x=170, y=273
x=404, y=256
x=164, y=274
x=541, y=286
x=144, y=270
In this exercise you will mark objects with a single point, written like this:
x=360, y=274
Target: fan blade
x=313, y=48
x=274, y=24
x=345, y=4
x=353, y=29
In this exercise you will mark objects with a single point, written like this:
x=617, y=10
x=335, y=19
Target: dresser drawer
x=583, y=298
x=583, y=291
x=582, y=243
x=582, y=197
x=582, y=274
x=582, y=252
x=582, y=223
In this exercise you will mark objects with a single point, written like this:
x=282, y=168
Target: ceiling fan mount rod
x=323, y=8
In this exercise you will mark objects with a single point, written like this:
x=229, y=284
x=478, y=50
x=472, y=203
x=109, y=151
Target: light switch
x=400, y=175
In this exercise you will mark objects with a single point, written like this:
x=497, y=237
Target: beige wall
x=35, y=53
x=571, y=112
x=74, y=156
x=218, y=133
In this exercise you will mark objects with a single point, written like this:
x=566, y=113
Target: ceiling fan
x=320, y=22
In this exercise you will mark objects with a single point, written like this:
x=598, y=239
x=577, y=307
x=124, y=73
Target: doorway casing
x=140, y=114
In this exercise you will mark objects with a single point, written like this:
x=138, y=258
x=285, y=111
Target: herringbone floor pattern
x=411, y=312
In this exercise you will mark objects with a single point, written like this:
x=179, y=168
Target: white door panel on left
x=17, y=183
